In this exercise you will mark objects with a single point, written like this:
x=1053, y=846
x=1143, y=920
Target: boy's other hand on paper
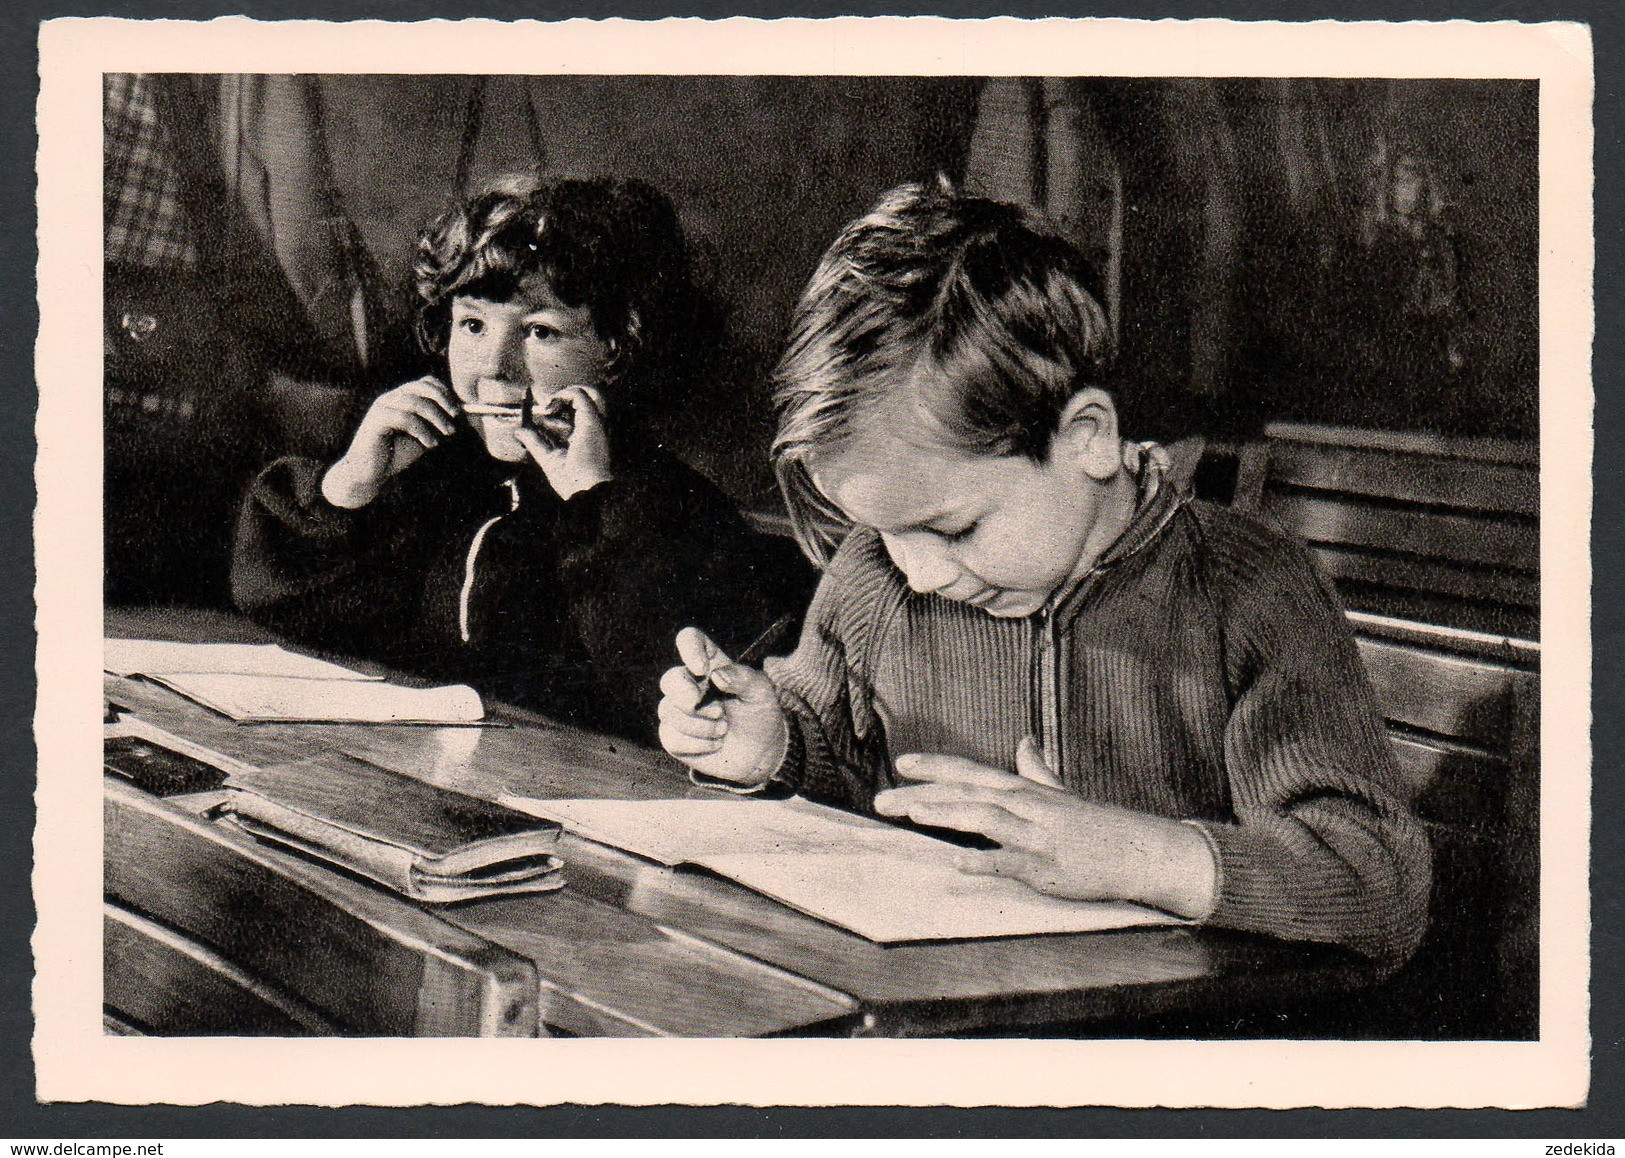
x=583, y=461
x=741, y=737
x=399, y=427
x=1054, y=841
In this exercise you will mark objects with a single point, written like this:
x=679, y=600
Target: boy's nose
x=926, y=569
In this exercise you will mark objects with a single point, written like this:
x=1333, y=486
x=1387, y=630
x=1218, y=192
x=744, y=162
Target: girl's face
x=532, y=346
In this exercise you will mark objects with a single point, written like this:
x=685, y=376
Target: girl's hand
x=398, y=428
x=583, y=462
x=1056, y=842
x=741, y=737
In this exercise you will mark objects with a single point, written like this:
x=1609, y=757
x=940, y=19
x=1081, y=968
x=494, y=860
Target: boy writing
x=1025, y=631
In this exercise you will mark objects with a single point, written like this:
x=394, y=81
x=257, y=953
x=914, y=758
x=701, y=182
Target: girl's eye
x=471, y=325
x=540, y=332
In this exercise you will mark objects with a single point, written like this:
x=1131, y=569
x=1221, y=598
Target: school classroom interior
x=1324, y=297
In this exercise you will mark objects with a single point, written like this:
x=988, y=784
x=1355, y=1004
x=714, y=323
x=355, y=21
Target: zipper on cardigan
x=1048, y=690
x=467, y=592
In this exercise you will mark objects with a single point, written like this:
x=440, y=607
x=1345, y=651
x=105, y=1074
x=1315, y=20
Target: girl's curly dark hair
x=614, y=245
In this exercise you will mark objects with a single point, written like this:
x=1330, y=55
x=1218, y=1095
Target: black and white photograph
x=1047, y=555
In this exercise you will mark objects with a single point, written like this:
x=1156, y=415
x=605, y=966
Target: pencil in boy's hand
x=752, y=656
x=490, y=410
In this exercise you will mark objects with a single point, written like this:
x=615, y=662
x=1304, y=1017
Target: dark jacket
x=567, y=608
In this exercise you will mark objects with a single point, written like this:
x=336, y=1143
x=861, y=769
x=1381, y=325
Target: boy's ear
x=1087, y=436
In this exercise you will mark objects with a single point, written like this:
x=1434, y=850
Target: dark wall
x=1354, y=252
x=1359, y=252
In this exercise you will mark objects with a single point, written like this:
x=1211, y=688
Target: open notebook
x=263, y=683
x=156, y=657
x=255, y=699
x=880, y=881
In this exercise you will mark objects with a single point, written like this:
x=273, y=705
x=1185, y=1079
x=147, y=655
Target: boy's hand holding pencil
x=741, y=734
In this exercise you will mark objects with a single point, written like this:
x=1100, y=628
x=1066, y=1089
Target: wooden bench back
x=1433, y=545
x=195, y=908
x=1464, y=721
x=1436, y=530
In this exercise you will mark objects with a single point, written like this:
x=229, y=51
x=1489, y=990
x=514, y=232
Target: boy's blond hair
x=978, y=305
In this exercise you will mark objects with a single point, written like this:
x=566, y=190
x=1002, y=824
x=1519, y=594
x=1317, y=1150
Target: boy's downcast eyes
x=958, y=536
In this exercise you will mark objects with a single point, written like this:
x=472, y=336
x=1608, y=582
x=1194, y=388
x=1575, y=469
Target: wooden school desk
x=208, y=932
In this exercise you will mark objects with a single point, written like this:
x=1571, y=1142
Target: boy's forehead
x=893, y=481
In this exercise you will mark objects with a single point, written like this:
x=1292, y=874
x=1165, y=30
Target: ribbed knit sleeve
x=1324, y=846
x=838, y=750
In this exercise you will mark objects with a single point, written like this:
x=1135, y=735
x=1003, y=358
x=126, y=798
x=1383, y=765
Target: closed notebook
x=419, y=840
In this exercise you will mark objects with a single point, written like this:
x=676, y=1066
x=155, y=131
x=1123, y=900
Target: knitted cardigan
x=1203, y=671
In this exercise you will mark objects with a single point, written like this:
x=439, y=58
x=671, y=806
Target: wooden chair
x=1435, y=530
x=1433, y=544
x=208, y=932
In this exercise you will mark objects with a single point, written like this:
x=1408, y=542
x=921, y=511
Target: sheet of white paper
x=887, y=897
x=155, y=657
x=882, y=882
x=678, y=831
x=265, y=698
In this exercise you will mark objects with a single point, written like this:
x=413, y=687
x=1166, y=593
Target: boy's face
x=530, y=347
x=999, y=533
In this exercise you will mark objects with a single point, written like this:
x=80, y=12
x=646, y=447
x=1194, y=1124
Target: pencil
x=488, y=410
x=752, y=656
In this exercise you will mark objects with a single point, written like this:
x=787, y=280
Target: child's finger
x=700, y=655
x=988, y=820
x=431, y=412
x=589, y=396
x=696, y=727
x=681, y=745
x=413, y=426
x=1020, y=804
x=691, y=723
x=1031, y=765
x=683, y=692
x=534, y=444
x=1017, y=864
x=954, y=770
x=434, y=391
x=743, y=683
x=678, y=685
x=1019, y=801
